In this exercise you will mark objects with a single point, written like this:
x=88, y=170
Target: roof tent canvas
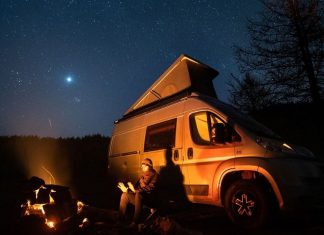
x=184, y=74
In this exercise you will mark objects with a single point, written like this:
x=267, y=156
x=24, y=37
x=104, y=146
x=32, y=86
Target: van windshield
x=241, y=119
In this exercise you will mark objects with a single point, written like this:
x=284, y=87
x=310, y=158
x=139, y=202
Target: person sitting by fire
x=143, y=192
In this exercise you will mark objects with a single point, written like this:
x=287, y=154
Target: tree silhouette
x=285, y=55
x=249, y=94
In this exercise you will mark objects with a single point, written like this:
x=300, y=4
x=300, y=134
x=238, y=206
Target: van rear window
x=160, y=136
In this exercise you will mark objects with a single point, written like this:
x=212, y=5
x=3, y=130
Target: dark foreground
x=216, y=222
x=195, y=220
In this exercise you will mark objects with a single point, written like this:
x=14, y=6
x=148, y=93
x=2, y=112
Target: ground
x=209, y=220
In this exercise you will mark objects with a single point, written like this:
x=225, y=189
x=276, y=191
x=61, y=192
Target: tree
x=285, y=55
x=251, y=95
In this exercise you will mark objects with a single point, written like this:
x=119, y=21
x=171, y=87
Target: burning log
x=51, y=203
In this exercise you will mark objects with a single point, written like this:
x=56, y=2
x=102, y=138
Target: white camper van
x=226, y=158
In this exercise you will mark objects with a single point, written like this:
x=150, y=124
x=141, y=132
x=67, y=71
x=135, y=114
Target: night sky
x=70, y=68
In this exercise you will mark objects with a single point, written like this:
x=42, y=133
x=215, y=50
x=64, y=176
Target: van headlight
x=274, y=145
x=279, y=146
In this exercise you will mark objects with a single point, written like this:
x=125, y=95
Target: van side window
x=207, y=129
x=160, y=136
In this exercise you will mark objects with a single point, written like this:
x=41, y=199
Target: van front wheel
x=247, y=204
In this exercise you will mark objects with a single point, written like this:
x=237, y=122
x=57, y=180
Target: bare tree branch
x=284, y=61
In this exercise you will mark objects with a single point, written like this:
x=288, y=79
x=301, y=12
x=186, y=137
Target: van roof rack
x=184, y=76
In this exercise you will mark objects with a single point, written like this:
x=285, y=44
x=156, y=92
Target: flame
x=37, y=190
x=34, y=209
x=37, y=209
x=80, y=206
x=50, y=196
x=85, y=223
x=50, y=224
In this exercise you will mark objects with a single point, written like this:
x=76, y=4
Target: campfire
x=50, y=209
x=52, y=203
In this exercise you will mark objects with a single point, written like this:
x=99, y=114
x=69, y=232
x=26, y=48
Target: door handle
x=176, y=155
x=190, y=153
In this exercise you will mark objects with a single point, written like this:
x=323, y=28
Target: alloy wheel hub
x=245, y=205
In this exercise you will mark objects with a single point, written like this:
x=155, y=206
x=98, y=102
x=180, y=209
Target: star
x=69, y=79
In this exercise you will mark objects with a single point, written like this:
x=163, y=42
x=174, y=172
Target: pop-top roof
x=184, y=74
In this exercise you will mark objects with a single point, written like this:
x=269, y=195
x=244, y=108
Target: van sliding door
x=158, y=138
x=163, y=144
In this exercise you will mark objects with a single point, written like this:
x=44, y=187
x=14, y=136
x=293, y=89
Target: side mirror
x=221, y=133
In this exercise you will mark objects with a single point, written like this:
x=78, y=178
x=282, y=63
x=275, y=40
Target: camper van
x=226, y=158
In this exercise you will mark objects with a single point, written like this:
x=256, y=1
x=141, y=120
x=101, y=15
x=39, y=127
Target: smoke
x=45, y=159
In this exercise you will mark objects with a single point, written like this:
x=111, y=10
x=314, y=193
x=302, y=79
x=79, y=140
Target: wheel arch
x=260, y=175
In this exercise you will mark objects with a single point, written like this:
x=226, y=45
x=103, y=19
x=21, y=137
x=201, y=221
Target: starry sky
x=70, y=68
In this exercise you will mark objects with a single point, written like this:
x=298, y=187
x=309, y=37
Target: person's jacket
x=147, y=182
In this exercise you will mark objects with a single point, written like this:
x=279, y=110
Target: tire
x=246, y=204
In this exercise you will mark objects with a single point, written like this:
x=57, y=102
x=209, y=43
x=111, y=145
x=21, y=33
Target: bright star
x=69, y=79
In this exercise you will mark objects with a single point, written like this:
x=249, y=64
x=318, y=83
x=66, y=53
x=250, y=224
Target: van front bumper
x=300, y=184
x=305, y=200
